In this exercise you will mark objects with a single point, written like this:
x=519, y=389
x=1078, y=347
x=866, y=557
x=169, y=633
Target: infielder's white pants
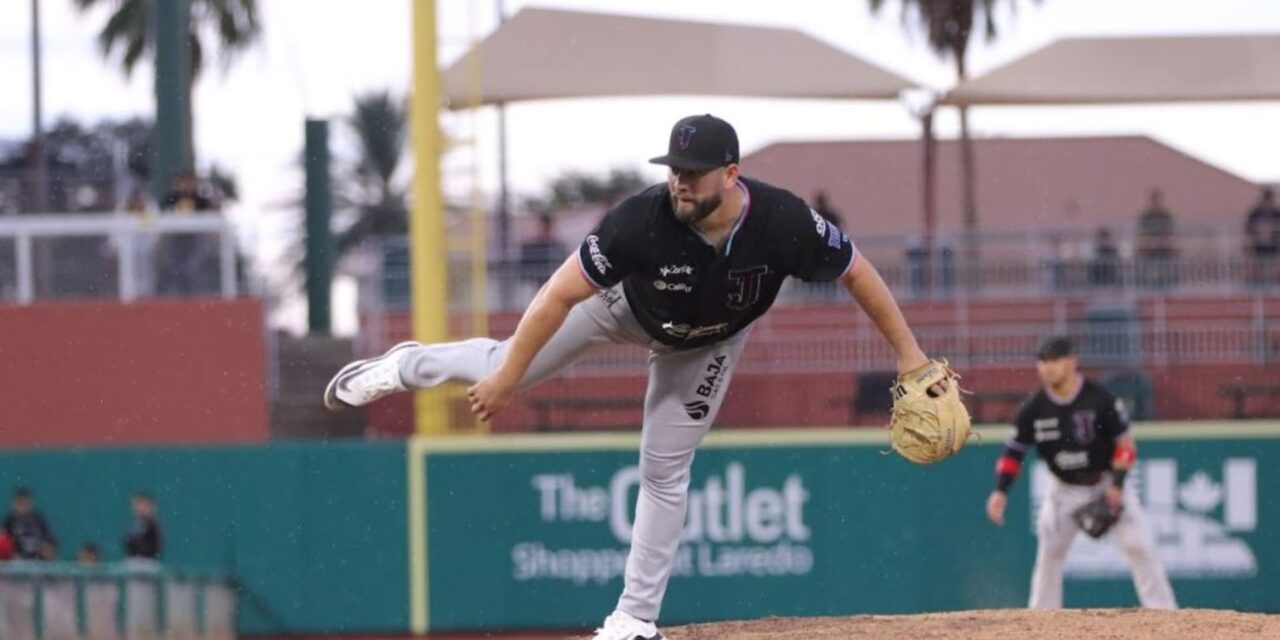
x=1056, y=529
x=676, y=417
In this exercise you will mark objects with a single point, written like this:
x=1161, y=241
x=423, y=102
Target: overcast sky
x=316, y=55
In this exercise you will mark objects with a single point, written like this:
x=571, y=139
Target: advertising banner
x=820, y=523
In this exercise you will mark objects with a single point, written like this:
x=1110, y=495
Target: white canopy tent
x=541, y=54
x=1135, y=70
x=547, y=54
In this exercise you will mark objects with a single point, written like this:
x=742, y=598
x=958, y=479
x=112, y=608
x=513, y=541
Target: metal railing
x=1126, y=345
x=135, y=600
x=1007, y=270
x=116, y=255
x=1190, y=276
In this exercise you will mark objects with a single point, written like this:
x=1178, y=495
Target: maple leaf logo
x=1200, y=494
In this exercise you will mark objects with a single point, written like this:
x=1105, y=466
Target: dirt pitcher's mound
x=1005, y=624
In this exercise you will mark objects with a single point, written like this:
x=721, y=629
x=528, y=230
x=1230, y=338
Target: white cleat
x=364, y=381
x=620, y=626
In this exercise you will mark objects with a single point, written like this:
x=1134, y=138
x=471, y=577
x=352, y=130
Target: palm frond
x=948, y=24
x=195, y=50
x=235, y=24
x=379, y=124
x=988, y=11
x=136, y=48
x=126, y=28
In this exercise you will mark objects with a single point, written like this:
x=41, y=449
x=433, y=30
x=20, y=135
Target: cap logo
x=685, y=135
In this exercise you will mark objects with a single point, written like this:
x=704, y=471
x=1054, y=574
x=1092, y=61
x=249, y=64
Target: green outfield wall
x=532, y=532
x=528, y=532
x=314, y=535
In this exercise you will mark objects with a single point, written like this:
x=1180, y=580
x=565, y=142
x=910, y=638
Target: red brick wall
x=77, y=373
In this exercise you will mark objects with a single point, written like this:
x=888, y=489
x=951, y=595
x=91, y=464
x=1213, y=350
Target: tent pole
x=930, y=203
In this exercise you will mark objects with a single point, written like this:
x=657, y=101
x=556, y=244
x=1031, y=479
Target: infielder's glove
x=926, y=427
x=1096, y=517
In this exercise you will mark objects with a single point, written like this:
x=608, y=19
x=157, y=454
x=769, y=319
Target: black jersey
x=1076, y=437
x=683, y=290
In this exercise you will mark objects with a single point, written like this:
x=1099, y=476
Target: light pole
x=39, y=165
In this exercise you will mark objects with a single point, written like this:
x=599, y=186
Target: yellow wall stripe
x=820, y=436
x=419, y=587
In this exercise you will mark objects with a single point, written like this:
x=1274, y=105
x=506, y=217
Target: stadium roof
x=548, y=54
x=1023, y=184
x=1133, y=70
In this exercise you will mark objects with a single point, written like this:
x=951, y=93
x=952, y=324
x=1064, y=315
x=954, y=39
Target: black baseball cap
x=1054, y=348
x=699, y=143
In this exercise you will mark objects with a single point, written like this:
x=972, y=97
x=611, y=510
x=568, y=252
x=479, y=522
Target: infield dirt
x=1066, y=624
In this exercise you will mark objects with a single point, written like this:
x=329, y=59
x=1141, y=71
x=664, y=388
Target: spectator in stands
x=185, y=196
x=137, y=203
x=182, y=253
x=1156, y=248
x=1262, y=229
x=88, y=555
x=1104, y=270
x=8, y=550
x=26, y=526
x=541, y=254
x=1056, y=263
x=822, y=205
x=142, y=245
x=49, y=549
x=143, y=540
x=1155, y=228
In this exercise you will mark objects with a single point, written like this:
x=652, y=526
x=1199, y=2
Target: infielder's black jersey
x=685, y=292
x=1075, y=437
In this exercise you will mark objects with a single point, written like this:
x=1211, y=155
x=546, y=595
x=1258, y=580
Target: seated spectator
x=542, y=254
x=7, y=549
x=26, y=526
x=1104, y=270
x=1262, y=231
x=88, y=555
x=49, y=549
x=143, y=540
x=1156, y=249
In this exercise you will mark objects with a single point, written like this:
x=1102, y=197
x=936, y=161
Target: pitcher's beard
x=699, y=210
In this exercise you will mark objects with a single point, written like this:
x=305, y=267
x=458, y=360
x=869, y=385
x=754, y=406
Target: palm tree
x=370, y=201
x=368, y=189
x=949, y=24
x=233, y=24
x=575, y=189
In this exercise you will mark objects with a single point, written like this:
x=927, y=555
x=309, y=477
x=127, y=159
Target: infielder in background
x=683, y=269
x=1081, y=431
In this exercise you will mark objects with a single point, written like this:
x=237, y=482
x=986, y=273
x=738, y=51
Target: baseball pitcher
x=682, y=269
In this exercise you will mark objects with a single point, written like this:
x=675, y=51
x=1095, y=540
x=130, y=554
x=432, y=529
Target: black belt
x=1085, y=481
